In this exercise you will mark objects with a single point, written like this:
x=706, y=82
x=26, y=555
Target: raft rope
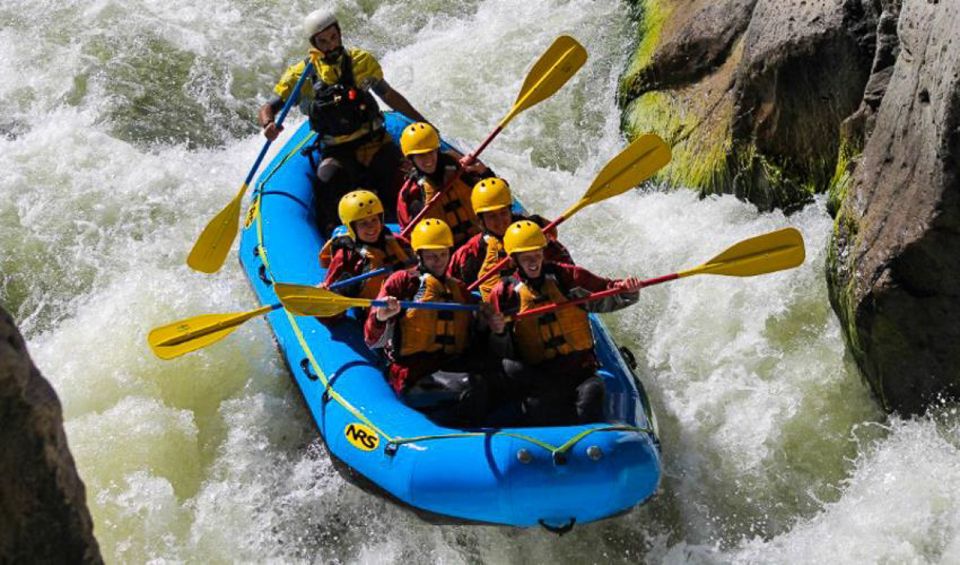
x=394, y=442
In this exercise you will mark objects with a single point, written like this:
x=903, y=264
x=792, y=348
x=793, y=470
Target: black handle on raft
x=262, y=272
x=628, y=356
x=305, y=365
x=559, y=530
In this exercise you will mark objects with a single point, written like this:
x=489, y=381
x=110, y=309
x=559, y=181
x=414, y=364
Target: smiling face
x=531, y=262
x=426, y=162
x=497, y=221
x=368, y=229
x=435, y=261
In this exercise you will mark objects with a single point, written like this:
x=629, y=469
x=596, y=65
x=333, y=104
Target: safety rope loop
x=397, y=442
x=558, y=453
x=576, y=439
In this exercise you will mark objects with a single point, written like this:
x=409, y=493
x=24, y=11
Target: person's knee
x=328, y=169
x=590, y=397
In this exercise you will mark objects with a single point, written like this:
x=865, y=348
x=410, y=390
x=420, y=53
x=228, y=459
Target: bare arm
x=266, y=115
x=397, y=101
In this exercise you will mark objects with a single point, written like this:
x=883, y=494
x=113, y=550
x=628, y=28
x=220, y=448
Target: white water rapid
x=126, y=125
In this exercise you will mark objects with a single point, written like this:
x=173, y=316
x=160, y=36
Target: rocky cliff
x=894, y=267
x=750, y=93
x=777, y=100
x=43, y=511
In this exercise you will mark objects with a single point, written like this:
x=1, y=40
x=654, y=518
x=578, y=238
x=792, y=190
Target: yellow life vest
x=365, y=71
x=373, y=258
x=427, y=331
x=453, y=207
x=495, y=253
x=560, y=332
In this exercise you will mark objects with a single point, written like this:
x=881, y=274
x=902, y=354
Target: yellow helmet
x=523, y=236
x=490, y=194
x=418, y=138
x=431, y=234
x=356, y=206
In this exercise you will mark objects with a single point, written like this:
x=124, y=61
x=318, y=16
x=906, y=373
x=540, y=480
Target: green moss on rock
x=651, y=16
x=699, y=151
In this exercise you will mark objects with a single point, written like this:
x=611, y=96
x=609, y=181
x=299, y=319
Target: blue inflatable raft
x=552, y=476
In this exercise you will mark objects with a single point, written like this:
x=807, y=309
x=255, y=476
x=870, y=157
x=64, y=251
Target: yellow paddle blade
x=184, y=336
x=767, y=253
x=306, y=300
x=552, y=70
x=635, y=164
x=210, y=250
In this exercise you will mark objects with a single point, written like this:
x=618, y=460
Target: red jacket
x=403, y=285
x=410, y=200
x=467, y=260
x=347, y=262
x=574, y=282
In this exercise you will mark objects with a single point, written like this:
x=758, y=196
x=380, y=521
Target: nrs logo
x=362, y=437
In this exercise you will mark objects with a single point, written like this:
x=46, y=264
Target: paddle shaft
x=540, y=83
x=456, y=176
x=279, y=120
x=429, y=305
x=360, y=277
x=367, y=275
x=591, y=297
x=496, y=268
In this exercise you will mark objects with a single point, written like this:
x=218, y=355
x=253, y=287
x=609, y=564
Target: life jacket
x=428, y=331
x=341, y=112
x=561, y=332
x=374, y=257
x=493, y=254
x=454, y=205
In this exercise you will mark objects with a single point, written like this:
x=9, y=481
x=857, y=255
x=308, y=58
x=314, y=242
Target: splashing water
x=125, y=127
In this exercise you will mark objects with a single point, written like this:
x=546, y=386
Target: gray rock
x=895, y=256
x=804, y=69
x=706, y=32
x=799, y=68
x=43, y=512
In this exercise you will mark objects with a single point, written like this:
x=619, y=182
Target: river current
x=125, y=126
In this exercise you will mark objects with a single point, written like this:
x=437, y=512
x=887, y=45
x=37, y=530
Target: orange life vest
x=453, y=207
x=495, y=253
x=427, y=331
x=374, y=257
x=561, y=332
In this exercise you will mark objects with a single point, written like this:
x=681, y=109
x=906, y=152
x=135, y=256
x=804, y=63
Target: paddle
x=211, y=248
x=305, y=300
x=184, y=336
x=551, y=71
x=767, y=253
x=635, y=164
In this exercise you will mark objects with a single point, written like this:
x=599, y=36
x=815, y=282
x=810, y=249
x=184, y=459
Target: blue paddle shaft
x=283, y=115
x=358, y=278
x=429, y=305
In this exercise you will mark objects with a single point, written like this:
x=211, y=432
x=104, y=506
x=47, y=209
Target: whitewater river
x=125, y=126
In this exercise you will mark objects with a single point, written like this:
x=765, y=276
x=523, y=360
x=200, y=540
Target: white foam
x=213, y=457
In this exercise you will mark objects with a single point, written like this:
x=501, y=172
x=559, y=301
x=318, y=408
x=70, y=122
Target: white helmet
x=317, y=21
